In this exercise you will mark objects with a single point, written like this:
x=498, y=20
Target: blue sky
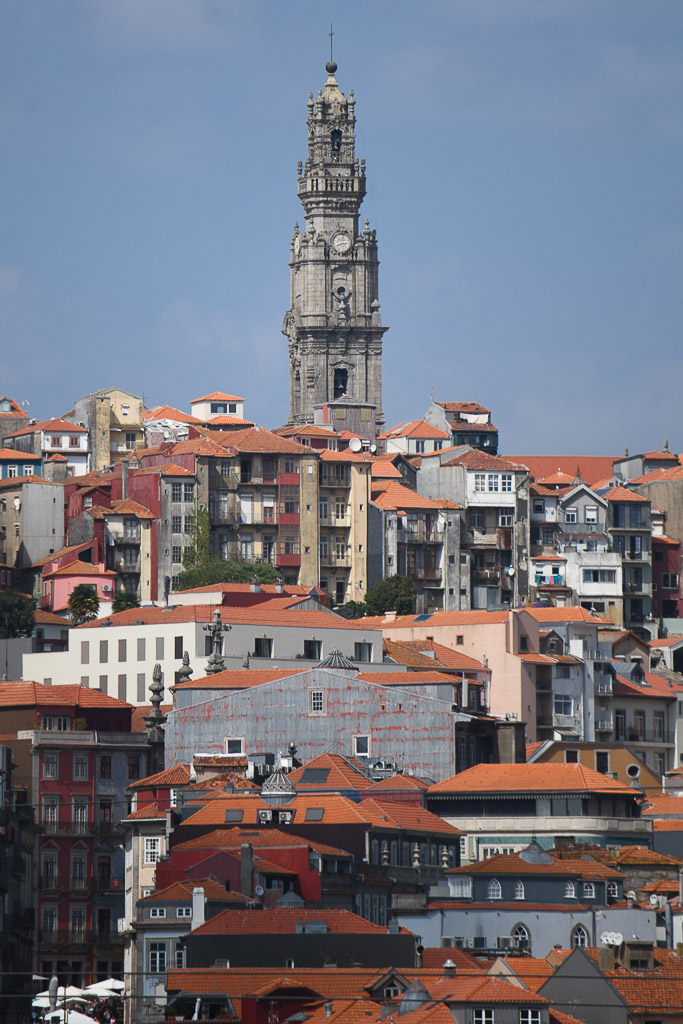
x=525, y=161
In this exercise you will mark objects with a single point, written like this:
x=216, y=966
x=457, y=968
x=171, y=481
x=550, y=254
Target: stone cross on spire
x=155, y=722
x=215, y=629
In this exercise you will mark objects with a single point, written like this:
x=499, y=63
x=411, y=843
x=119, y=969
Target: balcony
x=604, y=723
x=422, y=535
x=431, y=572
x=333, y=523
x=65, y=883
x=222, y=517
x=127, y=537
x=125, y=565
x=50, y=937
x=330, y=558
x=486, y=576
x=69, y=826
x=603, y=687
x=335, y=479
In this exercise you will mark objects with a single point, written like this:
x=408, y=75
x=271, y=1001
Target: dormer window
x=495, y=890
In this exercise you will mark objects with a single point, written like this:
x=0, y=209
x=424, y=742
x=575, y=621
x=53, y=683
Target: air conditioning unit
x=459, y=942
x=285, y=817
x=106, y=587
x=447, y=941
x=505, y=942
x=265, y=816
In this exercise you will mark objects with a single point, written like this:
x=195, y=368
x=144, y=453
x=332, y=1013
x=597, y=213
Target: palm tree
x=83, y=603
x=124, y=599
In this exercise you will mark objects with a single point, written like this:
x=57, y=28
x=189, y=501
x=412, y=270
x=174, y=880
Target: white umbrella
x=101, y=991
x=111, y=983
x=41, y=1003
x=70, y=992
x=69, y=1017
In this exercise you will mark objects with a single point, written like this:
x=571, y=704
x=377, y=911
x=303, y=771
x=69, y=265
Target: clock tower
x=333, y=323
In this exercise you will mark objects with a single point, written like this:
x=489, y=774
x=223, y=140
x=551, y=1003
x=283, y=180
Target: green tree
x=199, y=551
x=17, y=614
x=395, y=593
x=352, y=610
x=216, y=570
x=83, y=603
x=124, y=599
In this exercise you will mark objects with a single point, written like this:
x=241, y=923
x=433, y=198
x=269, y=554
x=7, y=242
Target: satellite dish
x=355, y=444
x=258, y=889
x=373, y=448
x=618, y=938
x=611, y=938
x=654, y=899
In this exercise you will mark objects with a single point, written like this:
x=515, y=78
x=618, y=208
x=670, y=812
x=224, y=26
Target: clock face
x=341, y=242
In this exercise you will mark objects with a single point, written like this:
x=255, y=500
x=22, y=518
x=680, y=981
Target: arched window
x=579, y=936
x=520, y=933
x=612, y=890
x=569, y=891
x=495, y=891
x=519, y=889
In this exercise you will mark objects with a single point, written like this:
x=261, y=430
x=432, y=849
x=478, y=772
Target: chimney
x=449, y=969
x=124, y=479
x=328, y=1009
x=198, y=907
x=606, y=958
x=255, y=586
x=247, y=869
x=279, y=588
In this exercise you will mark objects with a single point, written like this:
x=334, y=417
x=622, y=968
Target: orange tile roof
x=78, y=568
x=514, y=864
x=557, y=478
x=48, y=425
x=468, y=407
x=43, y=618
x=405, y=652
x=12, y=455
x=343, y=773
x=167, y=412
x=179, y=775
x=337, y=810
x=290, y=589
x=284, y=920
x=433, y=675
x=140, y=712
x=258, y=439
x=237, y=679
x=217, y=396
x=146, y=813
x=653, y=686
x=657, y=806
x=567, y=614
x=662, y=456
x=400, y=782
x=475, y=459
x=23, y=694
x=443, y=656
x=260, y=839
x=383, y=469
x=415, y=428
x=622, y=494
x=531, y=778
x=328, y=455
x=62, y=551
x=16, y=408
x=591, y=468
x=182, y=891
x=398, y=496
x=227, y=421
x=410, y=817
x=262, y=616
x=669, y=641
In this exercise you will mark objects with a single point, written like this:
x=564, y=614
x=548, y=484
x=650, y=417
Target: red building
x=666, y=561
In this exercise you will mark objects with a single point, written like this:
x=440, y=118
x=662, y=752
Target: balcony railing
x=420, y=536
x=603, y=687
x=344, y=561
x=222, y=516
x=66, y=883
x=486, y=575
x=335, y=522
x=605, y=723
x=123, y=565
x=49, y=937
x=430, y=572
x=68, y=826
x=127, y=537
x=335, y=480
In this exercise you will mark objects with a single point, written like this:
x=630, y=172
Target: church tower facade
x=333, y=323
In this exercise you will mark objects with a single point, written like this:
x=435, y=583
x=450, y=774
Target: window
x=179, y=959
x=506, y=481
x=176, y=492
x=362, y=652
x=234, y=745
x=289, y=540
x=77, y=922
x=12, y=471
x=548, y=535
x=520, y=934
x=591, y=513
x=130, y=439
x=361, y=746
x=570, y=515
x=589, y=890
x=571, y=757
x=419, y=447
x=529, y=1016
x=49, y=766
x=55, y=723
x=133, y=767
x=80, y=766
x=85, y=652
x=56, y=441
x=263, y=647
x=599, y=575
x=569, y=891
x=187, y=524
x=638, y=728
x=160, y=648
x=157, y=911
x=477, y=521
x=157, y=957
x=188, y=492
x=658, y=724
x=563, y=704
x=519, y=889
x=538, y=506
x=613, y=890
x=289, y=465
x=494, y=891
x=141, y=649
x=177, y=524
x=493, y=482
x=122, y=650
x=504, y=518
x=579, y=936
x=184, y=912
x=152, y=849
x=313, y=650
x=670, y=580
x=461, y=887
x=316, y=702
x=480, y=481
x=289, y=500
x=177, y=554
x=482, y=1016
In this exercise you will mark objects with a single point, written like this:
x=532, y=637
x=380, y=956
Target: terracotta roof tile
x=78, y=568
x=475, y=459
x=284, y=920
x=397, y=496
x=466, y=618
x=217, y=396
x=251, y=615
x=12, y=455
x=622, y=494
x=532, y=778
x=179, y=775
x=258, y=439
x=23, y=694
x=237, y=679
x=343, y=773
x=474, y=408
x=75, y=548
x=514, y=864
x=401, y=782
x=260, y=839
x=567, y=614
x=230, y=421
x=145, y=813
x=43, y=618
x=182, y=892
x=590, y=468
x=167, y=412
x=63, y=426
x=415, y=428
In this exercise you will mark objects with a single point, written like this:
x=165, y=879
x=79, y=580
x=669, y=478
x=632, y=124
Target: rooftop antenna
x=331, y=36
